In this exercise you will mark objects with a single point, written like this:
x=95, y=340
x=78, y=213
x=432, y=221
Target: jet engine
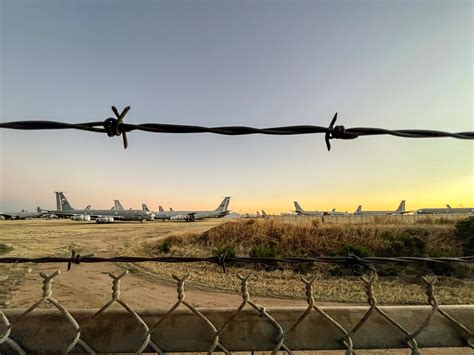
x=81, y=217
x=104, y=220
x=183, y=217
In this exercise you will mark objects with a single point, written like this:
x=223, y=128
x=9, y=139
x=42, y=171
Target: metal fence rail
x=248, y=327
x=116, y=127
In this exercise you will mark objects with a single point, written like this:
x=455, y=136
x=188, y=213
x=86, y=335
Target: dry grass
x=312, y=238
x=287, y=284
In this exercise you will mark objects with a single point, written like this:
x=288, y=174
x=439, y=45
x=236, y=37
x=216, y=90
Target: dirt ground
x=89, y=285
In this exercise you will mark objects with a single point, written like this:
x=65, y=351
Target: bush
x=4, y=248
x=465, y=233
x=265, y=251
x=262, y=251
x=404, y=244
x=350, y=269
x=227, y=250
x=165, y=247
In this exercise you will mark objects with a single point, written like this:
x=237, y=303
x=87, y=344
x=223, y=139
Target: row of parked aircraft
x=117, y=213
x=399, y=211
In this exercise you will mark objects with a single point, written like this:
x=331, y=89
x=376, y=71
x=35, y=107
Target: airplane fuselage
x=445, y=211
x=22, y=215
x=122, y=215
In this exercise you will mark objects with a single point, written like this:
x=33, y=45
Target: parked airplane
x=250, y=215
x=300, y=211
x=118, y=207
x=253, y=215
x=161, y=214
x=24, y=214
x=399, y=210
x=447, y=210
x=189, y=216
x=67, y=211
x=59, y=205
x=333, y=212
x=289, y=214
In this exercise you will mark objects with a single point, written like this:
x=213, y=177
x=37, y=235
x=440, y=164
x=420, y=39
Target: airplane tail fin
x=298, y=207
x=448, y=205
x=161, y=209
x=171, y=209
x=333, y=210
x=359, y=209
x=64, y=203
x=145, y=207
x=401, y=207
x=118, y=205
x=226, y=208
x=88, y=207
x=38, y=209
x=258, y=214
x=263, y=213
x=223, y=206
x=58, y=201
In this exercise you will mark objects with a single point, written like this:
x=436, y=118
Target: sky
x=389, y=64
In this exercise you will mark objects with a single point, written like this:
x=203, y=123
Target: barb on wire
x=116, y=127
x=221, y=260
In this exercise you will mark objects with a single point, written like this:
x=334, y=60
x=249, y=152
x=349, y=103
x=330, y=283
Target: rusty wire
x=115, y=126
x=348, y=337
x=223, y=260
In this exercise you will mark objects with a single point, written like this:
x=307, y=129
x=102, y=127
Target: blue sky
x=387, y=64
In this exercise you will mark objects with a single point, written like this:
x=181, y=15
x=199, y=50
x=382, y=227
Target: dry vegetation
x=313, y=238
x=279, y=237
x=273, y=238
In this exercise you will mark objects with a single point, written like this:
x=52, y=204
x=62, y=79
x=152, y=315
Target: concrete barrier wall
x=182, y=331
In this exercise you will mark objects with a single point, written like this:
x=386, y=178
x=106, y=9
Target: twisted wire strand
x=235, y=130
x=116, y=127
x=222, y=260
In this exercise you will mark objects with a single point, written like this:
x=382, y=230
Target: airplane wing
x=6, y=215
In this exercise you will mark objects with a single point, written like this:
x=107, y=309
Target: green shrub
x=349, y=269
x=465, y=233
x=263, y=251
x=404, y=244
x=4, y=248
x=165, y=247
x=227, y=250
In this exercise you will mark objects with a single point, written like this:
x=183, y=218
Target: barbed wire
x=116, y=127
x=223, y=260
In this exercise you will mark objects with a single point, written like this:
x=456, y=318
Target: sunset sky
x=389, y=64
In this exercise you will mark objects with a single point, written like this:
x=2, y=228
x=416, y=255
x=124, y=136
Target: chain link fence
x=118, y=327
